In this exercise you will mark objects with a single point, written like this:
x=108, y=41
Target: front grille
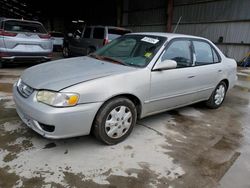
x=24, y=89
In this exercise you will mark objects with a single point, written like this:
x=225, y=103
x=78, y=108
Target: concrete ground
x=188, y=147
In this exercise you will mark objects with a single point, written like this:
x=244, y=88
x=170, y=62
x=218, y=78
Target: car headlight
x=57, y=99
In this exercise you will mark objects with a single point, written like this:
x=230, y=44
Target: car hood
x=57, y=75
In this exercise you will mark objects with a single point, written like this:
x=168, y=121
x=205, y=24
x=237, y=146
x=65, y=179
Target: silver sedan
x=132, y=77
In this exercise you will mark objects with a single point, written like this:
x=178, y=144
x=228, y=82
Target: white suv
x=22, y=39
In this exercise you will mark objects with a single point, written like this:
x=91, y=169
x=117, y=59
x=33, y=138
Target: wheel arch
x=226, y=81
x=137, y=102
x=133, y=98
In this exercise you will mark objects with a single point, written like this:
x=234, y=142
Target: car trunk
x=25, y=36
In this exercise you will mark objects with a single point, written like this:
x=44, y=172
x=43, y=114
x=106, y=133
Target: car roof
x=21, y=20
x=167, y=35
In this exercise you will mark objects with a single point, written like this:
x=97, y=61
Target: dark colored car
x=91, y=39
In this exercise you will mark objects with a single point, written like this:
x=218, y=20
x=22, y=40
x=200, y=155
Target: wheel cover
x=118, y=122
x=219, y=94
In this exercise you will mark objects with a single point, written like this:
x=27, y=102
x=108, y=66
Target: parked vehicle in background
x=132, y=77
x=91, y=39
x=23, y=39
x=57, y=39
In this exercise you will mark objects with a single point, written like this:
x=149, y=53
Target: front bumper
x=68, y=122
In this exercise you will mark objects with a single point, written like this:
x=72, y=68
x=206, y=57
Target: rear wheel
x=115, y=121
x=65, y=51
x=218, y=96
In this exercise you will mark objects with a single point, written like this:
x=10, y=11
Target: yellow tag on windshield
x=148, y=54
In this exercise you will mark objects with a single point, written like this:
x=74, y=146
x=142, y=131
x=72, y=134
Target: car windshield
x=131, y=50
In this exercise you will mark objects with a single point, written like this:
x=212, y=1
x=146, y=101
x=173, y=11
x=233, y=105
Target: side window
x=87, y=32
x=180, y=52
x=203, y=53
x=98, y=33
x=215, y=56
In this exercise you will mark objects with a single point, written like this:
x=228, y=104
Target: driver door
x=174, y=87
x=75, y=43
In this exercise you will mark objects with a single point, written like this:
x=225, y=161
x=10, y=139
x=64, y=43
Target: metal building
x=225, y=22
x=141, y=15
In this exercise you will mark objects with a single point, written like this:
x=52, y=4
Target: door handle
x=191, y=76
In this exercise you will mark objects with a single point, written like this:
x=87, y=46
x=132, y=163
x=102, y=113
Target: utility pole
x=170, y=12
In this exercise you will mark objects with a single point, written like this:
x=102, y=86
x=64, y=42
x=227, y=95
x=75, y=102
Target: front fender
x=136, y=83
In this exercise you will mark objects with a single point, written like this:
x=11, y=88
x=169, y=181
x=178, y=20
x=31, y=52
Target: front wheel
x=218, y=96
x=115, y=121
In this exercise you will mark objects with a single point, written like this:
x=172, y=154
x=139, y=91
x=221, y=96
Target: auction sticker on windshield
x=150, y=40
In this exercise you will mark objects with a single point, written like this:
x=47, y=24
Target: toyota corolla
x=132, y=77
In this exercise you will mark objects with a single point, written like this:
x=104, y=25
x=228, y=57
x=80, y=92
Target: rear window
x=98, y=33
x=115, y=33
x=57, y=35
x=19, y=26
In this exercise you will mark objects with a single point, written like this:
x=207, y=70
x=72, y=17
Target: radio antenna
x=177, y=24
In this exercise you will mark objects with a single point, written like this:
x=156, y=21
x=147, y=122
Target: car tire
x=65, y=51
x=218, y=96
x=90, y=50
x=115, y=121
x=1, y=64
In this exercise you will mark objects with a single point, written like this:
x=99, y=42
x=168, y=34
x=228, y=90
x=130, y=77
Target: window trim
x=167, y=45
x=212, y=48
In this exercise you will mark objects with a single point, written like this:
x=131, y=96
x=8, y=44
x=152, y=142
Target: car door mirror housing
x=165, y=65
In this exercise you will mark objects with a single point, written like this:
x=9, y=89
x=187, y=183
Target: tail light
x=2, y=54
x=105, y=41
x=7, y=34
x=44, y=36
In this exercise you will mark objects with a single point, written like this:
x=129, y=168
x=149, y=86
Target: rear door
x=208, y=68
x=26, y=37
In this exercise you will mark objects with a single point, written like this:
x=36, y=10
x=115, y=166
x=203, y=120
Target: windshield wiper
x=99, y=57
x=113, y=60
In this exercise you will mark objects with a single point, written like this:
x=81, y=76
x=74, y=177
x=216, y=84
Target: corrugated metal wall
x=212, y=19
x=141, y=15
x=229, y=19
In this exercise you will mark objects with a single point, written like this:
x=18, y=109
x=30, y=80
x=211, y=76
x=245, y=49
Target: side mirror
x=164, y=65
x=70, y=35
